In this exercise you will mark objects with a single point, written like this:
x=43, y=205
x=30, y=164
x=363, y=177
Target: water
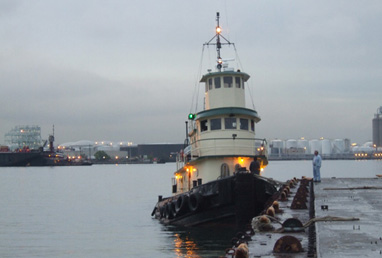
x=104, y=210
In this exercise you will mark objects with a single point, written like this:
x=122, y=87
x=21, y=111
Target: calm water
x=104, y=210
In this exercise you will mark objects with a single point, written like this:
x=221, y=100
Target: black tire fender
x=169, y=214
x=162, y=211
x=195, y=201
x=181, y=204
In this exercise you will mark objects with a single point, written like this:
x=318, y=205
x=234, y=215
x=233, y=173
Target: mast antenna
x=218, y=43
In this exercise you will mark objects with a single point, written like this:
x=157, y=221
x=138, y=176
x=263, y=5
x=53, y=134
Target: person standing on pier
x=316, y=167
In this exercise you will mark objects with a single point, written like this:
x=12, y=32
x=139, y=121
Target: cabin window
x=217, y=82
x=243, y=124
x=216, y=124
x=227, y=81
x=237, y=82
x=252, y=125
x=210, y=83
x=224, y=170
x=203, y=125
x=230, y=123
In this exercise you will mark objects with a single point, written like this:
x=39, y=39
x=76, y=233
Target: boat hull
x=235, y=199
x=21, y=159
x=35, y=159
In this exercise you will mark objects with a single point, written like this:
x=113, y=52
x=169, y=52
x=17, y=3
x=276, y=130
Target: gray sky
x=126, y=70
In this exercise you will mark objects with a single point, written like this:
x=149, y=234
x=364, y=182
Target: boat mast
x=218, y=43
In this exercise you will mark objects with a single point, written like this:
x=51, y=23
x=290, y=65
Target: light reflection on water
x=209, y=241
x=185, y=247
x=104, y=210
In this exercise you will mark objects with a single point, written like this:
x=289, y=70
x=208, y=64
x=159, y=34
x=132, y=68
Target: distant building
x=123, y=152
x=163, y=152
x=377, y=128
x=24, y=136
x=304, y=149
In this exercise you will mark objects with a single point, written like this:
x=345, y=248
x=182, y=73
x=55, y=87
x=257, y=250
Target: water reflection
x=208, y=241
x=185, y=245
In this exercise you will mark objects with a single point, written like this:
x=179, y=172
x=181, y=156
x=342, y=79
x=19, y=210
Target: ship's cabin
x=224, y=89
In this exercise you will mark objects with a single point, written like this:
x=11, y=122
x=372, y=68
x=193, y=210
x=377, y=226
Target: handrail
x=223, y=146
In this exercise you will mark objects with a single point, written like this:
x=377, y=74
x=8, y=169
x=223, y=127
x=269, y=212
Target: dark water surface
x=104, y=210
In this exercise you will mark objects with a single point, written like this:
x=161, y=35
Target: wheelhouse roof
x=230, y=111
x=232, y=73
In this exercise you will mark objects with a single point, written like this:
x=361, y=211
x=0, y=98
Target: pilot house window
x=237, y=82
x=217, y=82
x=210, y=83
x=203, y=125
x=216, y=124
x=243, y=124
x=227, y=81
x=230, y=123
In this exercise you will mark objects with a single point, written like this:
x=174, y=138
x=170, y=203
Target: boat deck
x=352, y=209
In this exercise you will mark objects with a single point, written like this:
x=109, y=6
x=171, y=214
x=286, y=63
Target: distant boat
x=21, y=159
x=212, y=182
x=27, y=157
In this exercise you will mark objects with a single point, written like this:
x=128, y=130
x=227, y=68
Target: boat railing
x=229, y=146
x=180, y=160
x=222, y=147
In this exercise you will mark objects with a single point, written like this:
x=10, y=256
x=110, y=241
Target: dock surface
x=349, y=197
x=352, y=210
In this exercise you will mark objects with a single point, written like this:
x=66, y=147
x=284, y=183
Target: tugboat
x=212, y=182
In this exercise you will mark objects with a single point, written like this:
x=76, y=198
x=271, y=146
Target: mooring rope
x=328, y=218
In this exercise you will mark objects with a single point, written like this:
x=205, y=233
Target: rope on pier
x=355, y=188
x=328, y=218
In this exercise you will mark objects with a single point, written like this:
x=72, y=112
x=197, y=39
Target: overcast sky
x=126, y=70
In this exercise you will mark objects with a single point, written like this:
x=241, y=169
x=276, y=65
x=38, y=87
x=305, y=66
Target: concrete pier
x=350, y=197
x=342, y=218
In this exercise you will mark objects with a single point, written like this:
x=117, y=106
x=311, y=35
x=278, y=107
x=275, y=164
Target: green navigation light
x=191, y=116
